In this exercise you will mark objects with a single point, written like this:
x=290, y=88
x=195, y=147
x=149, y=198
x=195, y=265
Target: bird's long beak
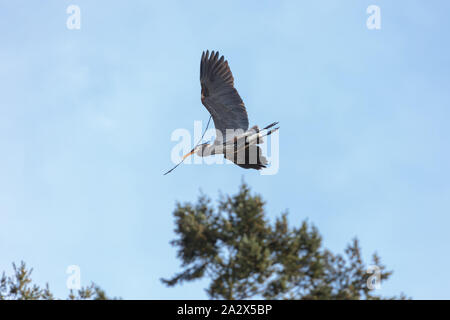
x=190, y=153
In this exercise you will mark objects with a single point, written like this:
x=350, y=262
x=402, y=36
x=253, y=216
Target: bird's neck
x=208, y=150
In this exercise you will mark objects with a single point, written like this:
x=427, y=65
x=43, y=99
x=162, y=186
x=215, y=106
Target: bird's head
x=198, y=150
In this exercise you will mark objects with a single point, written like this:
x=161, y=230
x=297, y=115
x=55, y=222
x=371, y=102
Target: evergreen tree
x=245, y=256
x=19, y=287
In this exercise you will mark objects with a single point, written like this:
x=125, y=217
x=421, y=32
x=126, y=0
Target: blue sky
x=86, y=118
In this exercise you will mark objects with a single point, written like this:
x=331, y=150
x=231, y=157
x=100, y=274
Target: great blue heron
x=233, y=138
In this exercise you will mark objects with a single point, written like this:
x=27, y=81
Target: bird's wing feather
x=249, y=157
x=219, y=96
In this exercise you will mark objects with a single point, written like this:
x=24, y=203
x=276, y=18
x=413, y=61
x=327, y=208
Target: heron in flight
x=234, y=139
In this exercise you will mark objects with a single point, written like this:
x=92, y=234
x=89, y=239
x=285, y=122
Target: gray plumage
x=227, y=110
x=219, y=95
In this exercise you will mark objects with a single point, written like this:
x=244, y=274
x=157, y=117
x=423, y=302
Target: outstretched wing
x=219, y=96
